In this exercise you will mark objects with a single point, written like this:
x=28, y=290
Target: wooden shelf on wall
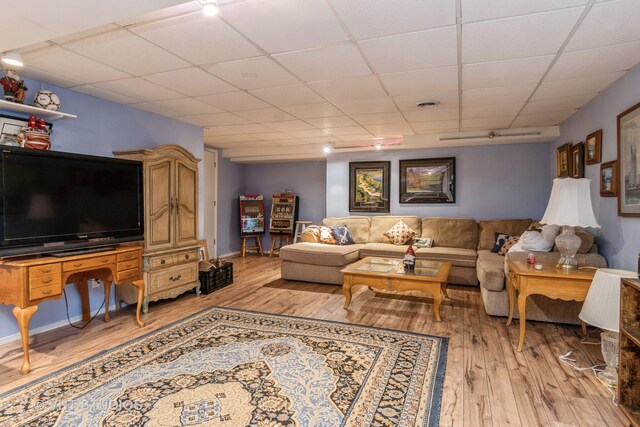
x=28, y=110
x=629, y=360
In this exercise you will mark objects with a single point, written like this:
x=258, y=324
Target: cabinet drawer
x=161, y=261
x=172, y=277
x=43, y=270
x=187, y=256
x=128, y=265
x=42, y=281
x=45, y=291
x=89, y=262
x=126, y=256
x=125, y=275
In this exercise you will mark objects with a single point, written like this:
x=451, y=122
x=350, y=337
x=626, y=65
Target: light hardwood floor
x=487, y=382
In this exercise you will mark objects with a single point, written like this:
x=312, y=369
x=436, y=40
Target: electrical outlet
x=94, y=283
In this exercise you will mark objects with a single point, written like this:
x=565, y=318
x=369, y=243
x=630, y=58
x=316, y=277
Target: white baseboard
x=50, y=326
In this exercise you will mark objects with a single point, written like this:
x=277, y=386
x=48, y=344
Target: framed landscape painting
x=369, y=186
x=593, y=147
x=608, y=177
x=629, y=162
x=428, y=180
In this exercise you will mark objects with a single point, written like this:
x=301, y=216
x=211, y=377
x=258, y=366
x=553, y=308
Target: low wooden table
x=389, y=274
x=552, y=282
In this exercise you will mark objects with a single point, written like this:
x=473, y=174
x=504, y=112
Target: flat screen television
x=52, y=201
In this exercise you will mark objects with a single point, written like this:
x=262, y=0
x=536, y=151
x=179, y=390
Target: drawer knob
x=48, y=270
x=46, y=281
x=186, y=256
x=105, y=261
x=162, y=261
x=47, y=292
x=77, y=265
x=173, y=279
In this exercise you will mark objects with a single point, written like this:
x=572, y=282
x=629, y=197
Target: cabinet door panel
x=158, y=230
x=187, y=200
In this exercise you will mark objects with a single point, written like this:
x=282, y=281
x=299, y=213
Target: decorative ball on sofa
x=47, y=100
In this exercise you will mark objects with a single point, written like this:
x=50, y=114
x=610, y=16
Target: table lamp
x=569, y=206
x=602, y=309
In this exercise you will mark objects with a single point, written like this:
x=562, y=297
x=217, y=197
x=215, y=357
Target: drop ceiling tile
x=517, y=37
x=127, y=52
x=331, y=122
x=607, y=24
x=218, y=131
x=493, y=110
x=474, y=10
x=429, y=114
x=306, y=133
x=289, y=126
x=82, y=34
x=392, y=129
x=421, y=81
x=600, y=60
x=495, y=95
x=252, y=73
x=366, y=105
x=435, y=126
x=447, y=99
x=312, y=111
x=198, y=39
x=265, y=115
x=358, y=87
x=156, y=109
x=270, y=136
x=558, y=104
x=326, y=63
x=358, y=137
x=575, y=87
x=226, y=139
x=348, y=130
x=164, y=13
x=320, y=140
x=188, y=106
x=515, y=72
x=285, y=25
x=71, y=65
x=190, y=82
x=374, y=18
x=413, y=51
x=250, y=128
x=139, y=88
x=488, y=123
x=50, y=78
x=234, y=101
x=104, y=94
x=219, y=119
x=542, y=119
x=282, y=96
x=378, y=118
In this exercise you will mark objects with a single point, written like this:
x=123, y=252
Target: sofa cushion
x=383, y=250
x=488, y=229
x=320, y=254
x=459, y=257
x=358, y=226
x=400, y=233
x=381, y=224
x=451, y=232
x=490, y=269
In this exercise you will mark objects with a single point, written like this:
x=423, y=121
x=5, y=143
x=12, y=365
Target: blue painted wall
x=231, y=183
x=492, y=182
x=101, y=127
x=619, y=238
x=305, y=179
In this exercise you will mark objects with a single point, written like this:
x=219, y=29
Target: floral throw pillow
x=508, y=244
x=400, y=233
x=342, y=235
x=326, y=235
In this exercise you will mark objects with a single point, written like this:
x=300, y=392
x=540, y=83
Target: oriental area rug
x=224, y=367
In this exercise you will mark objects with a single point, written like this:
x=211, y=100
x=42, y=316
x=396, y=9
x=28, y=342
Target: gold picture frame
x=577, y=160
x=593, y=147
x=563, y=159
x=608, y=179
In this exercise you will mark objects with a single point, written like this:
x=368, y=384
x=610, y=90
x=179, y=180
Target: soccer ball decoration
x=47, y=100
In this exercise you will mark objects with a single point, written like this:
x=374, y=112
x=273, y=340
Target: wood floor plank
x=486, y=383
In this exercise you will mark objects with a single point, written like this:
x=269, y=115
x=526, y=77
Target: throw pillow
x=511, y=241
x=326, y=235
x=501, y=238
x=400, y=233
x=311, y=234
x=342, y=235
x=539, y=241
x=423, y=242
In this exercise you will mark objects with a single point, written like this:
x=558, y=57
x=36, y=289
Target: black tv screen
x=50, y=198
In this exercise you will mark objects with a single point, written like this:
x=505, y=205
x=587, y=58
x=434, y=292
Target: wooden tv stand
x=25, y=282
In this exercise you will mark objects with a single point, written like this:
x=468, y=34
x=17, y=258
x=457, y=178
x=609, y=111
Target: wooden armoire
x=170, y=253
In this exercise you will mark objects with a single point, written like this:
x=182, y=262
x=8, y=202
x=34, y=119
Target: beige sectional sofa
x=462, y=241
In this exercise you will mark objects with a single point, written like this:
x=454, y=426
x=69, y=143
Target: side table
x=552, y=282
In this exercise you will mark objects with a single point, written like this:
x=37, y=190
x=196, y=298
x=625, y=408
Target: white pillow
x=539, y=241
x=516, y=248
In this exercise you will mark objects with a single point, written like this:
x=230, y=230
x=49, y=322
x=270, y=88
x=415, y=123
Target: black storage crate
x=216, y=278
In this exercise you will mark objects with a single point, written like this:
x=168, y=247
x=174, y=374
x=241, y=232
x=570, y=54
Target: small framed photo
x=608, y=178
x=564, y=159
x=593, y=147
x=369, y=185
x=577, y=160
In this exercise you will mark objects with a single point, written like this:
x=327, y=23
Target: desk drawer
x=128, y=265
x=89, y=262
x=123, y=276
x=44, y=286
x=126, y=256
x=44, y=281
x=43, y=270
x=172, y=277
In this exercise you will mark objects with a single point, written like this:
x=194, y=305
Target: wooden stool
x=278, y=241
x=257, y=247
x=300, y=226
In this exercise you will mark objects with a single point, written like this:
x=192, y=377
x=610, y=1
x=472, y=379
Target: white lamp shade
x=570, y=204
x=602, y=306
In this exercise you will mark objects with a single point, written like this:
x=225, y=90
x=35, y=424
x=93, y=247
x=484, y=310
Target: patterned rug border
x=438, y=384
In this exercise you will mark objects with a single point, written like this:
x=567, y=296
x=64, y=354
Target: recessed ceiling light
x=378, y=146
x=327, y=149
x=209, y=7
x=427, y=104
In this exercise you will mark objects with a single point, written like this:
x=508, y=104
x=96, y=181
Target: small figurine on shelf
x=14, y=88
x=409, y=259
x=36, y=135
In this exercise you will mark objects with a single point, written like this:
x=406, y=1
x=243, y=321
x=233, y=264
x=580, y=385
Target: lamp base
x=609, y=376
x=568, y=244
x=609, y=344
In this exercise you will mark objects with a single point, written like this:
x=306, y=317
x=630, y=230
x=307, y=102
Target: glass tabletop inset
x=423, y=268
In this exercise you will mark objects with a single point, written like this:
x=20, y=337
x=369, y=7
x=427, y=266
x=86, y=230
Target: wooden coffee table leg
x=346, y=289
x=437, y=299
x=522, y=304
